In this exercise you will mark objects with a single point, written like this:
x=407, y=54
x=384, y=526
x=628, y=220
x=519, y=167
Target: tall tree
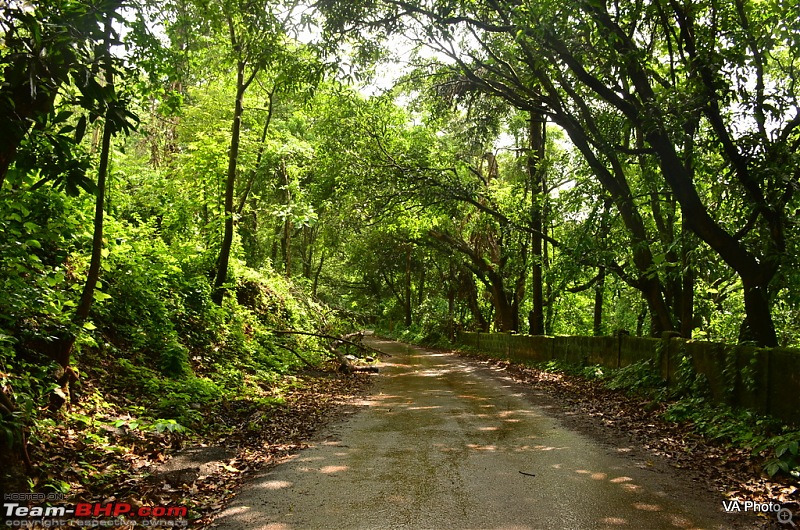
x=673, y=74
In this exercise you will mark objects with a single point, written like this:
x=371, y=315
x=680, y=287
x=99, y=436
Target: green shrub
x=782, y=453
x=174, y=360
x=640, y=376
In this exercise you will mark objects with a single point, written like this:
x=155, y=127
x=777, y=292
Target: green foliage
x=53, y=86
x=640, y=377
x=558, y=366
x=430, y=336
x=40, y=231
x=782, y=453
x=688, y=382
x=741, y=428
x=419, y=209
x=715, y=421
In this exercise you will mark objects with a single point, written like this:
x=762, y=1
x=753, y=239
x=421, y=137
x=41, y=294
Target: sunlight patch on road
x=679, y=521
x=479, y=447
x=616, y=521
x=333, y=469
x=620, y=480
x=506, y=413
x=647, y=507
x=435, y=373
x=548, y=448
x=274, y=485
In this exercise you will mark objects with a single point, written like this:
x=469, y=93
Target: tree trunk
x=451, y=301
x=87, y=295
x=421, y=284
x=504, y=313
x=469, y=292
x=407, y=290
x=62, y=347
x=756, y=270
x=599, y=288
x=261, y=146
x=230, y=187
x=757, y=326
x=317, y=273
x=537, y=125
x=687, y=288
x=615, y=183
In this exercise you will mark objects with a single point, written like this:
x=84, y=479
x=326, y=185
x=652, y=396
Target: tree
x=258, y=45
x=665, y=76
x=50, y=64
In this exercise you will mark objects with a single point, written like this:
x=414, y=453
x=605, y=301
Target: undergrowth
x=157, y=363
x=429, y=335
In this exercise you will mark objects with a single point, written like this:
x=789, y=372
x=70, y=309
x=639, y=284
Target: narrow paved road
x=444, y=445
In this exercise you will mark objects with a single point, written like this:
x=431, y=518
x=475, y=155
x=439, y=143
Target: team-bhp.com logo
x=93, y=514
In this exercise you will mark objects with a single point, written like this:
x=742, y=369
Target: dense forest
x=184, y=182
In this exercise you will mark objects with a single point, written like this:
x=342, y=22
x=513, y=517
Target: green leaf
x=80, y=130
x=100, y=296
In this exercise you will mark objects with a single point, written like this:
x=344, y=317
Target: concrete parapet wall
x=764, y=380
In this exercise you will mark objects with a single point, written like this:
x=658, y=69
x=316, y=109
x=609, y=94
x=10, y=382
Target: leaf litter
x=88, y=458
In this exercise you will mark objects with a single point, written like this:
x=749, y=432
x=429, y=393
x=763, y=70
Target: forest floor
x=456, y=442
x=101, y=463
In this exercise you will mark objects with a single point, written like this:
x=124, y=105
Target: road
x=444, y=444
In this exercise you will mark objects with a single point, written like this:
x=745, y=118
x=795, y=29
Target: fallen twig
x=297, y=355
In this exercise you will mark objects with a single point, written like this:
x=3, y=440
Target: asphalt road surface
x=444, y=444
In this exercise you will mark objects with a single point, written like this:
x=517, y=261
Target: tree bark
x=537, y=124
x=599, y=288
x=63, y=345
x=230, y=187
x=407, y=290
x=242, y=83
x=756, y=272
x=504, y=313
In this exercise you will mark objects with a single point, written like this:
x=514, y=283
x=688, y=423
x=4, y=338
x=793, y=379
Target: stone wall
x=764, y=380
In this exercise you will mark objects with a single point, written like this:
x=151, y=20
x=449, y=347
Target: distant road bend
x=444, y=444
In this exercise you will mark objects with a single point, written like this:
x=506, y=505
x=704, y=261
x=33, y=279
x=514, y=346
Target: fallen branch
x=344, y=339
x=297, y=355
x=345, y=365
